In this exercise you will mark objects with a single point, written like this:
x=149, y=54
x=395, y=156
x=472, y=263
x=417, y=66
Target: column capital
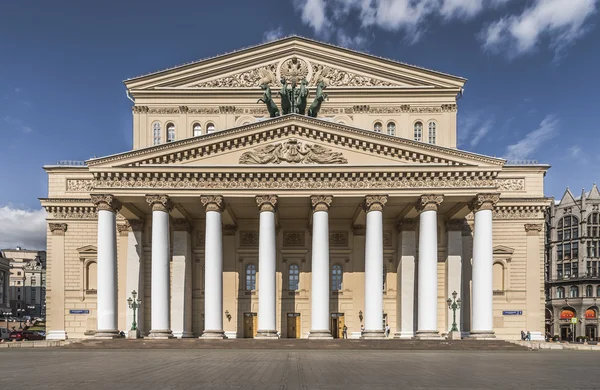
x=375, y=202
x=57, y=229
x=406, y=224
x=321, y=202
x=160, y=203
x=123, y=229
x=106, y=202
x=266, y=202
x=533, y=229
x=484, y=202
x=181, y=224
x=213, y=202
x=429, y=202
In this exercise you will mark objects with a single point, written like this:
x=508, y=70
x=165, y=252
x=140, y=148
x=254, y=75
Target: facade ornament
x=139, y=109
x=484, y=202
x=341, y=78
x=293, y=70
x=449, y=107
x=123, y=229
x=246, y=79
x=294, y=152
x=321, y=202
x=136, y=225
x=57, y=229
x=213, y=202
x=510, y=184
x=181, y=225
x=106, y=202
x=203, y=110
x=248, y=238
x=294, y=239
x=163, y=110
x=80, y=185
x=338, y=238
x=429, y=202
x=33, y=265
x=533, y=229
x=455, y=224
x=266, y=203
x=227, y=109
x=229, y=230
x=374, y=202
x=359, y=230
x=200, y=238
x=159, y=203
x=406, y=224
x=387, y=239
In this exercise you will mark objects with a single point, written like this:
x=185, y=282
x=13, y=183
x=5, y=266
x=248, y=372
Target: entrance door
x=337, y=325
x=250, y=325
x=590, y=332
x=293, y=326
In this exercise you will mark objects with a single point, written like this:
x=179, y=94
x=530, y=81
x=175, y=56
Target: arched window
x=251, y=277
x=391, y=128
x=566, y=314
x=197, y=129
x=336, y=278
x=294, y=277
x=589, y=291
x=574, y=292
x=377, y=127
x=590, y=314
x=91, y=282
x=418, y=131
x=156, y=133
x=170, y=132
x=210, y=128
x=498, y=277
x=432, y=130
x=560, y=292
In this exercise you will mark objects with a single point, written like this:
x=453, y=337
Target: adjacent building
x=27, y=283
x=340, y=198
x=4, y=285
x=573, y=265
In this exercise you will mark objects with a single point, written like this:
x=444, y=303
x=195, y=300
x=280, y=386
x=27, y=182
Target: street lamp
x=20, y=315
x=134, y=304
x=454, y=304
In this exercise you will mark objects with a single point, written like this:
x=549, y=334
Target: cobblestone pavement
x=269, y=369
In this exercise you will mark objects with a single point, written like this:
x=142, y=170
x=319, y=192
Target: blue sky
x=532, y=67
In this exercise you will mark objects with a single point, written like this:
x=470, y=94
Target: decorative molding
x=321, y=202
x=159, y=203
x=181, y=224
x=375, y=202
x=136, y=225
x=510, y=184
x=203, y=110
x=72, y=212
x=80, y=185
x=248, y=238
x=246, y=79
x=123, y=229
x=200, y=238
x=449, y=107
x=429, y=202
x=293, y=70
x=296, y=238
x=484, y=202
x=359, y=230
x=266, y=202
x=106, y=202
x=455, y=224
x=163, y=110
x=406, y=224
x=515, y=212
x=387, y=238
x=338, y=238
x=57, y=229
x=229, y=230
x=340, y=78
x=294, y=152
x=212, y=202
x=533, y=229
x=139, y=109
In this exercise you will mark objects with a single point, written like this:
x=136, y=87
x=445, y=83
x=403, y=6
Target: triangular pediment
x=88, y=249
x=501, y=250
x=567, y=198
x=296, y=141
x=294, y=58
x=594, y=193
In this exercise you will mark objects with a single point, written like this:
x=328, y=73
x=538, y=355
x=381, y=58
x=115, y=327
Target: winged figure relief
x=266, y=76
x=321, y=75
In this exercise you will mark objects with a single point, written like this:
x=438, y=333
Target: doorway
x=250, y=325
x=337, y=325
x=566, y=333
x=293, y=326
x=590, y=332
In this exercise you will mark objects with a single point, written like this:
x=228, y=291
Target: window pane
x=293, y=277
x=418, y=133
x=391, y=128
x=377, y=127
x=432, y=132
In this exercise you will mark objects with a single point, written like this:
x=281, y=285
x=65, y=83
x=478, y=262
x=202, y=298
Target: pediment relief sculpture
x=294, y=152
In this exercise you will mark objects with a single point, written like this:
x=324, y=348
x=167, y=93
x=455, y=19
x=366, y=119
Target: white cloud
x=17, y=124
x=473, y=128
x=313, y=14
x=561, y=22
x=24, y=228
x=481, y=132
x=525, y=148
x=273, y=34
x=577, y=154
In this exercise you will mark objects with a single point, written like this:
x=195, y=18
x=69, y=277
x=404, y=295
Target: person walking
x=522, y=336
x=345, y=332
x=387, y=330
x=528, y=336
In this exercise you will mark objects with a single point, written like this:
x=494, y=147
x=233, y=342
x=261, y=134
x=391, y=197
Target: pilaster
x=56, y=282
x=534, y=271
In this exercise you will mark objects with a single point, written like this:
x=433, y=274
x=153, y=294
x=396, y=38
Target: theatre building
x=338, y=199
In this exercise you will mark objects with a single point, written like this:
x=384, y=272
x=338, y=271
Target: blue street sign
x=79, y=312
x=512, y=313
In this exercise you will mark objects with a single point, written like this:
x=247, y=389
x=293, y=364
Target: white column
x=406, y=279
x=135, y=273
x=428, y=275
x=55, y=311
x=267, y=294
x=319, y=299
x=483, y=319
x=374, y=267
x=160, y=326
x=181, y=286
x=535, y=308
x=454, y=268
x=213, y=268
x=107, y=266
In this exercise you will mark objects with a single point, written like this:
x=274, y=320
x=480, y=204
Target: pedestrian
x=522, y=335
x=528, y=336
x=387, y=330
x=362, y=329
x=345, y=332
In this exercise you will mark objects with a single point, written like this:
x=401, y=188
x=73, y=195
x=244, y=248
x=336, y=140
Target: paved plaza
x=313, y=369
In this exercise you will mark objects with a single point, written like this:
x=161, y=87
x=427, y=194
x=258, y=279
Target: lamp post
x=134, y=304
x=454, y=304
x=20, y=315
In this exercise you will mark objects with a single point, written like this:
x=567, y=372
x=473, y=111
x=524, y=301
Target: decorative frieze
x=429, y=202
x=294, y=152
x=338, y=238
x=163, y=110
x=181, y=225
x=449, y=107
x=159, y=203
x=375, y=202
x=106, y=202
x=203, y=110
x=533, y=229
x=248, y=238
x=245, y=79
x=212, y=202
x=57, y=229
x=139, y=109
x=406, y=224
x=359, y=230
x=72, y=212
x=484, y=202
x=294, y=239
x=229, y=230
x=510, y=184
x=266, y=202
x=515, y=212
x=321, y=202
x=335, y=77
x=80, y=185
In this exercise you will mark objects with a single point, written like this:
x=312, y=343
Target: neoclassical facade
x=232, y=218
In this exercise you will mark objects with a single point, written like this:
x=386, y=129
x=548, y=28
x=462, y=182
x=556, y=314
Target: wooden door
x=293, y=326
x=250, y=325
x=341, y=323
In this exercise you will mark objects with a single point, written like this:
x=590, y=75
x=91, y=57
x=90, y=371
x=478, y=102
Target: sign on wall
x=79, y=311
x=512, y=313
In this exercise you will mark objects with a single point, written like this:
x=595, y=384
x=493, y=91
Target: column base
x=428, y=335
x=320, y=335
x=183, y=335
x=56, y=335
x=213, y=335
x=482, y=335
x=107, y=334
x=454, y=335
x=373, y=335
x=160, y=334
x=266, y=335
x=404, y=335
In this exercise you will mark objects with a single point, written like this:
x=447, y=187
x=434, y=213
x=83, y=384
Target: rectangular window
x=559, y=272
x=567, y=269
x=567, y=234
x=560, y=235
x=559, y=252
x=567, y=249
x=575, y=272
x=575, y=233
x=575, y=251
